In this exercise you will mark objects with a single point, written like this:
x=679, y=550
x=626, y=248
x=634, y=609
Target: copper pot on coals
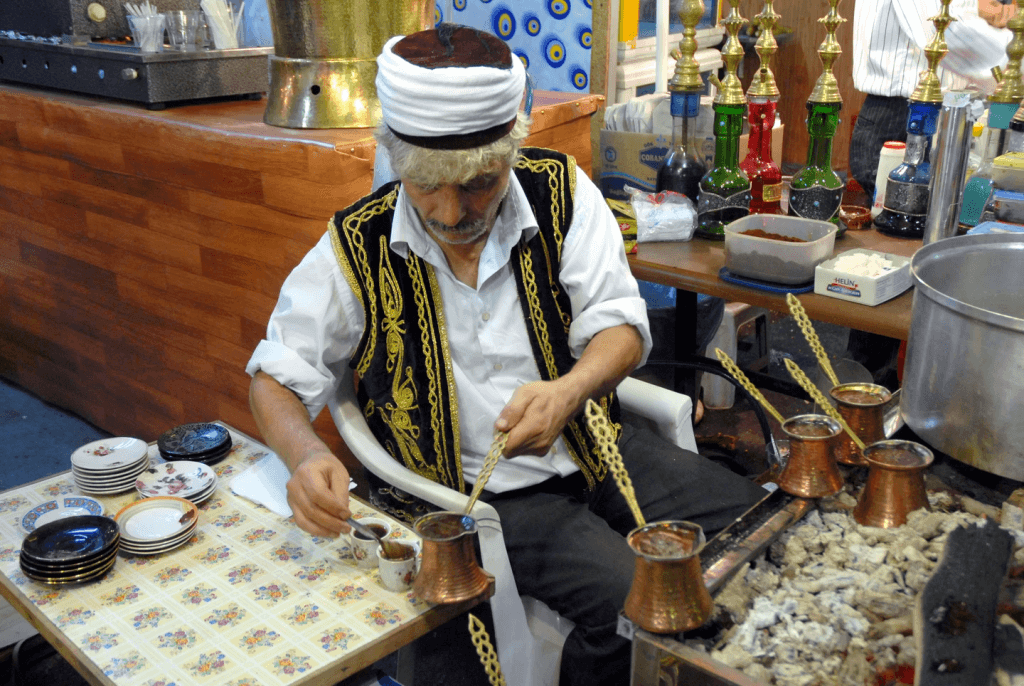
x=861, y=406
x=895, y=485
x=811, y=470
x=668, y=594
x=449, y=572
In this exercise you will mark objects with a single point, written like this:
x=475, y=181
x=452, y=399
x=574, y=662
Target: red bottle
x=765, y=176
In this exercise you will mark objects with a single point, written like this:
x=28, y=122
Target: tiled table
x=250, y=600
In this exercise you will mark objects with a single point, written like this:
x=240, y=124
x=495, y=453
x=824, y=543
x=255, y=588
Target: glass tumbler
x=181, y=29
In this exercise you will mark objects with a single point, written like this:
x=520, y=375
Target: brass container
x=811, y=470
x=895, y=485
x=324, y=65
x=668, y=594
x=449, y=572
x=861, y=405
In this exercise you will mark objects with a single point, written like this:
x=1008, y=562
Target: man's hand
x=535, y=416
x=318, y=495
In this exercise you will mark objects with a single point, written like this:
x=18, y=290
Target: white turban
x=457, y=107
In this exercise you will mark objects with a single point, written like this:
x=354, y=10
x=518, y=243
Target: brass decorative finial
x=730, y=90
x=687, y=74
x=763, y=85
x=826, y=89
x=929, y=88
x=1010, y=88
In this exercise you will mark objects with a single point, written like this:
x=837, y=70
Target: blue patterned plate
x=193, y=440
x=52, y=510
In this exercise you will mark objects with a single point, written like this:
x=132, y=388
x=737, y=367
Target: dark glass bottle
x=764, y=174
x=906, y=190
x=725, y=189
x=681, y=172
x=815, y=192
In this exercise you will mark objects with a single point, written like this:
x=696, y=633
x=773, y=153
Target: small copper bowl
x=811, y=470
x=668, y=594
x=895, y=485
x=862, y=406
x=854, y=216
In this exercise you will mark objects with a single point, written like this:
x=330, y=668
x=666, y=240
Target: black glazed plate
x=193, y=440
x=71, y=540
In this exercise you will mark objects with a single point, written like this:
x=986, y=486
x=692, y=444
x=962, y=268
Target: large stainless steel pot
x=963, y=381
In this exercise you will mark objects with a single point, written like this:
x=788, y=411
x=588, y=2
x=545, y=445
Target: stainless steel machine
x=82, y=46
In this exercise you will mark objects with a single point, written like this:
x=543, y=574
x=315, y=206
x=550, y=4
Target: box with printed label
x=866, y=290
x=634, y=158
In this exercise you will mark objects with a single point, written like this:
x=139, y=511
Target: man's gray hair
x=427, y=167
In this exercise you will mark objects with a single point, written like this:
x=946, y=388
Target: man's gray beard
x=460, y=234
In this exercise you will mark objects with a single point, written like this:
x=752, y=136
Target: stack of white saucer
x=110, y=465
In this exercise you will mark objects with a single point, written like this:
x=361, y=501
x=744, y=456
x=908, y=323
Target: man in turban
x=486, y=290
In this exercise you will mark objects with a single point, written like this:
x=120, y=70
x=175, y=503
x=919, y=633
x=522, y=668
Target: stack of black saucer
x=203, y=442
x=70, y=550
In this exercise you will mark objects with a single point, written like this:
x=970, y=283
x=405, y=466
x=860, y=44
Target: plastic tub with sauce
x=772, y=259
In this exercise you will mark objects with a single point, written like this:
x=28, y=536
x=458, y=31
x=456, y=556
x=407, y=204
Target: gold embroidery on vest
x=403, y=390
x=536, y=314
x=351, y=226
x=343, y=263
x=555, y=170
x=433, y=363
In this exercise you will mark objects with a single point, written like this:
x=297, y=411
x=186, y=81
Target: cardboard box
x=634, y=158
x=866, y=290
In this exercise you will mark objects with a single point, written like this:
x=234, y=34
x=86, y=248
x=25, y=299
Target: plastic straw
x=223, y=25
x=737, y=374
x=805, y=383
x=796, y=308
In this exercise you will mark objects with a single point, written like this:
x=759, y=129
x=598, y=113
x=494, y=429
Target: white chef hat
x=451, y=87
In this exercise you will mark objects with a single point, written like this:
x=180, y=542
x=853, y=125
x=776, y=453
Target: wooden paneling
x=797, y=67
x=142, y=252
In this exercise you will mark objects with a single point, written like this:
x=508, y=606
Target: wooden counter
x=141, y=252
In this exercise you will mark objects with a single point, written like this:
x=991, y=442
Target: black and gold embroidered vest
x=406, y=386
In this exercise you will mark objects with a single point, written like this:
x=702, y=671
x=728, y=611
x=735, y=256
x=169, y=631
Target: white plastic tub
x=775, y=261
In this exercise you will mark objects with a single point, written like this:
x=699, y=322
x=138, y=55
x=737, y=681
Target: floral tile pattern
x=250, y=601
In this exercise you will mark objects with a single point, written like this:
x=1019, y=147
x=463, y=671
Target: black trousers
x=567, y=545
x=881, y=119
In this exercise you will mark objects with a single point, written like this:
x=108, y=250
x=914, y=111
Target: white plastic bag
x=664, y=216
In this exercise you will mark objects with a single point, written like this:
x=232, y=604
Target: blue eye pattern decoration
x=587, y=4
x=559, y=9
x=438, y=13
x=459, y=5
x=523, y=57
x=554, y=52
x=579, y=78
x=531, y=22
x=584, y=36
x=503, y=22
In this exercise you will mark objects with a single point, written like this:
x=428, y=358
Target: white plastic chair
x=528, y=634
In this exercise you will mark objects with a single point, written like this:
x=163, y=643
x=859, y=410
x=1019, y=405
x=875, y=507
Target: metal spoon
x=390, y=549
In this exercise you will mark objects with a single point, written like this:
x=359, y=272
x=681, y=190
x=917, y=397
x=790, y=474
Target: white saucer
x=109, y=453
x=181, y=479
x=52, y=510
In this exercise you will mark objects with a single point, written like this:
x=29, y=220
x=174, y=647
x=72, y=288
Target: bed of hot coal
x=831, y=601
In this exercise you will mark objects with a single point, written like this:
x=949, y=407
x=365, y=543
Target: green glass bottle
x=815, y=192
x=725, y=189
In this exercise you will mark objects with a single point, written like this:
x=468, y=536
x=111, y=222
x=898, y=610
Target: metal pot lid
x=978, y=276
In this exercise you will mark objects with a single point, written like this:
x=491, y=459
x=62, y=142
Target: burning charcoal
x=795, y=554
x=1011, y=517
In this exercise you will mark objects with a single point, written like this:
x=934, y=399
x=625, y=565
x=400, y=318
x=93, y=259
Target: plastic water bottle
x=890, y=157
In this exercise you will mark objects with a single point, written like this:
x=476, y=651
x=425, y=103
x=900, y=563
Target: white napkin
x=264, y=483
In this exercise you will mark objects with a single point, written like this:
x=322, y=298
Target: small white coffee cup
x=397, y=574
x=364, y=550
